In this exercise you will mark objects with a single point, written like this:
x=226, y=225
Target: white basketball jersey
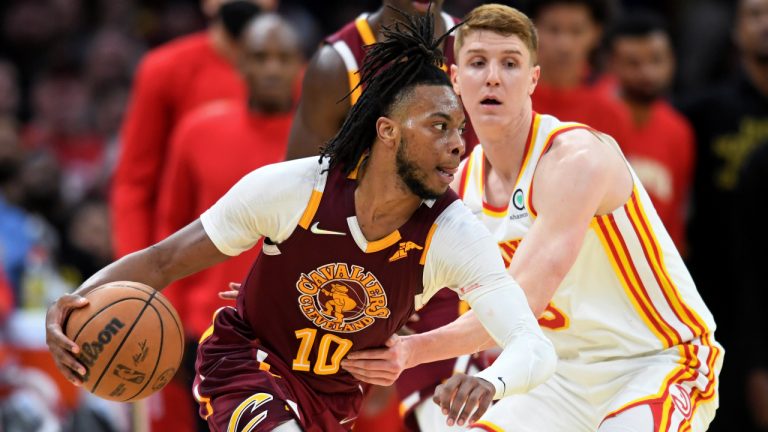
x=628, y=293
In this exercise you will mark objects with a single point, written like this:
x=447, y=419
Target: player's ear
x=387, y=130
x=455, y=79
x=535, y=74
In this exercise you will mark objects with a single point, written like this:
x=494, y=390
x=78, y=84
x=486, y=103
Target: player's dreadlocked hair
x=409, y=56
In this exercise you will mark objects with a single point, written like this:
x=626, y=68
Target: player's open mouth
x=447, y=172
x=490, y=100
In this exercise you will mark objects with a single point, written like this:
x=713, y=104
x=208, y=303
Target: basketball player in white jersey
x=634, y=339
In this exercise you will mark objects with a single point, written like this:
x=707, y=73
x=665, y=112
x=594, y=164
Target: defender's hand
x=380, y=366
x=61, y=347
x=234, y=289
x=471, y=393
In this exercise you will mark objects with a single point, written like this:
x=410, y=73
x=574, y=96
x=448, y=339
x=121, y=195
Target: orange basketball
x=131, y=341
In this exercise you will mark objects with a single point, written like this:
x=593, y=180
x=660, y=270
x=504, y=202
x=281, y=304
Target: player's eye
x=440, y=126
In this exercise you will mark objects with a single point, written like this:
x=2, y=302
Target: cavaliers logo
x=341, y=298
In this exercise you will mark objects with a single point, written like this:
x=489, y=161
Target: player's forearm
x=528, y=357
x=465, y=335
x=185, y=252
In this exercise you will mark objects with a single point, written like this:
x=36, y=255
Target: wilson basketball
x=131, y=341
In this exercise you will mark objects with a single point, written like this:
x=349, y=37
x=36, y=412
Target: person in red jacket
x=216, y=145
x=211, y=149
x=171, y=81
x=660, y=146
x=569, y=31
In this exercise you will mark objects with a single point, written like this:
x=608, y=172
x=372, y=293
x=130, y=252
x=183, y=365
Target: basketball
x=131, y=341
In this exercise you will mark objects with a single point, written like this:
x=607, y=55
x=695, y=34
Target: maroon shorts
x=239, y=383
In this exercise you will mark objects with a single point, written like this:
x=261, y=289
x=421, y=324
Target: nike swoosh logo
x=316, y=230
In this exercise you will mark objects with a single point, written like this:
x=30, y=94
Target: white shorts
x=616, y=395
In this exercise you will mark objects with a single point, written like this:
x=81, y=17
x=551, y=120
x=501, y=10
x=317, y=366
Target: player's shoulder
x=579, y=150
x=345, y=33
x=293, y=173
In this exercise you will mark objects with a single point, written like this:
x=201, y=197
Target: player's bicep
x=322, y=107
x=567, y=191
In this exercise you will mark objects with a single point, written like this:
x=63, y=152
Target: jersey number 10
x=323, y=364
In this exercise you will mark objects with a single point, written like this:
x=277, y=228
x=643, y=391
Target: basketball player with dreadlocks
x=579, y=233
x=344, y=225
x=331, y=74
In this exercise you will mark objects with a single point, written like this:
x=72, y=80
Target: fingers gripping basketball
x=131, y=341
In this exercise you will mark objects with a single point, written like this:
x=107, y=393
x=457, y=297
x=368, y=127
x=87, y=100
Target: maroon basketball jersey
x=349, y=43
x=321, y=293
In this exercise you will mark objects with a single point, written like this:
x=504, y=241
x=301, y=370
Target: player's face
x=270, y=65
x=752, y=29
x=643, y=65
x=416, y=6
x=430, y=143
x=567, y=35
x=494, y=77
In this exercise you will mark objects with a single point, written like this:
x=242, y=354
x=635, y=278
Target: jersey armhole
x=550, y=139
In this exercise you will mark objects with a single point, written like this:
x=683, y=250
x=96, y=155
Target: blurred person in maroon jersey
x=569, y=32
x=660, y=146
x=331, y=74
x=171, y=81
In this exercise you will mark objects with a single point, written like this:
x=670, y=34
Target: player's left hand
x=379, y=366
x=234, y=288
x=471, y=393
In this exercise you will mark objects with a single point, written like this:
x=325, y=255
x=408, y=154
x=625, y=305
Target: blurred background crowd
x=681, y=84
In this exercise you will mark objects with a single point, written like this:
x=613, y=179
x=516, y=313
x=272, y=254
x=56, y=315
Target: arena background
x=66, y=70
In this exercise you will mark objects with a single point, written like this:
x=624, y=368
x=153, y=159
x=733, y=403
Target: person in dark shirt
x=752, y=234
x=729, y=123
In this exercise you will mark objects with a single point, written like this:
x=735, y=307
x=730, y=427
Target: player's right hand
x=379, y=366
x=462, y=394
x=62, y=349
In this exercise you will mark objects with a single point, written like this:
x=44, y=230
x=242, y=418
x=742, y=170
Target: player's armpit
x=321, y=110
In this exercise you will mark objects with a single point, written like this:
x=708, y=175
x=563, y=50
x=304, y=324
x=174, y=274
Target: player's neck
x=383, y=203
x=503, y=146
x=221, y=42
x=758, y=75
x=385, y=16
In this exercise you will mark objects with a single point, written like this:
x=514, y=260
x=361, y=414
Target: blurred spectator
x=87, y=245
x=214, y=147
x=752, y=233
x=569, y=33
x=109, y=103
x=660, y=145
x=729, y=122
x=110, y=56
x=15, y=238
x=9, y=91
x=63, y=125
x=172, y=80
